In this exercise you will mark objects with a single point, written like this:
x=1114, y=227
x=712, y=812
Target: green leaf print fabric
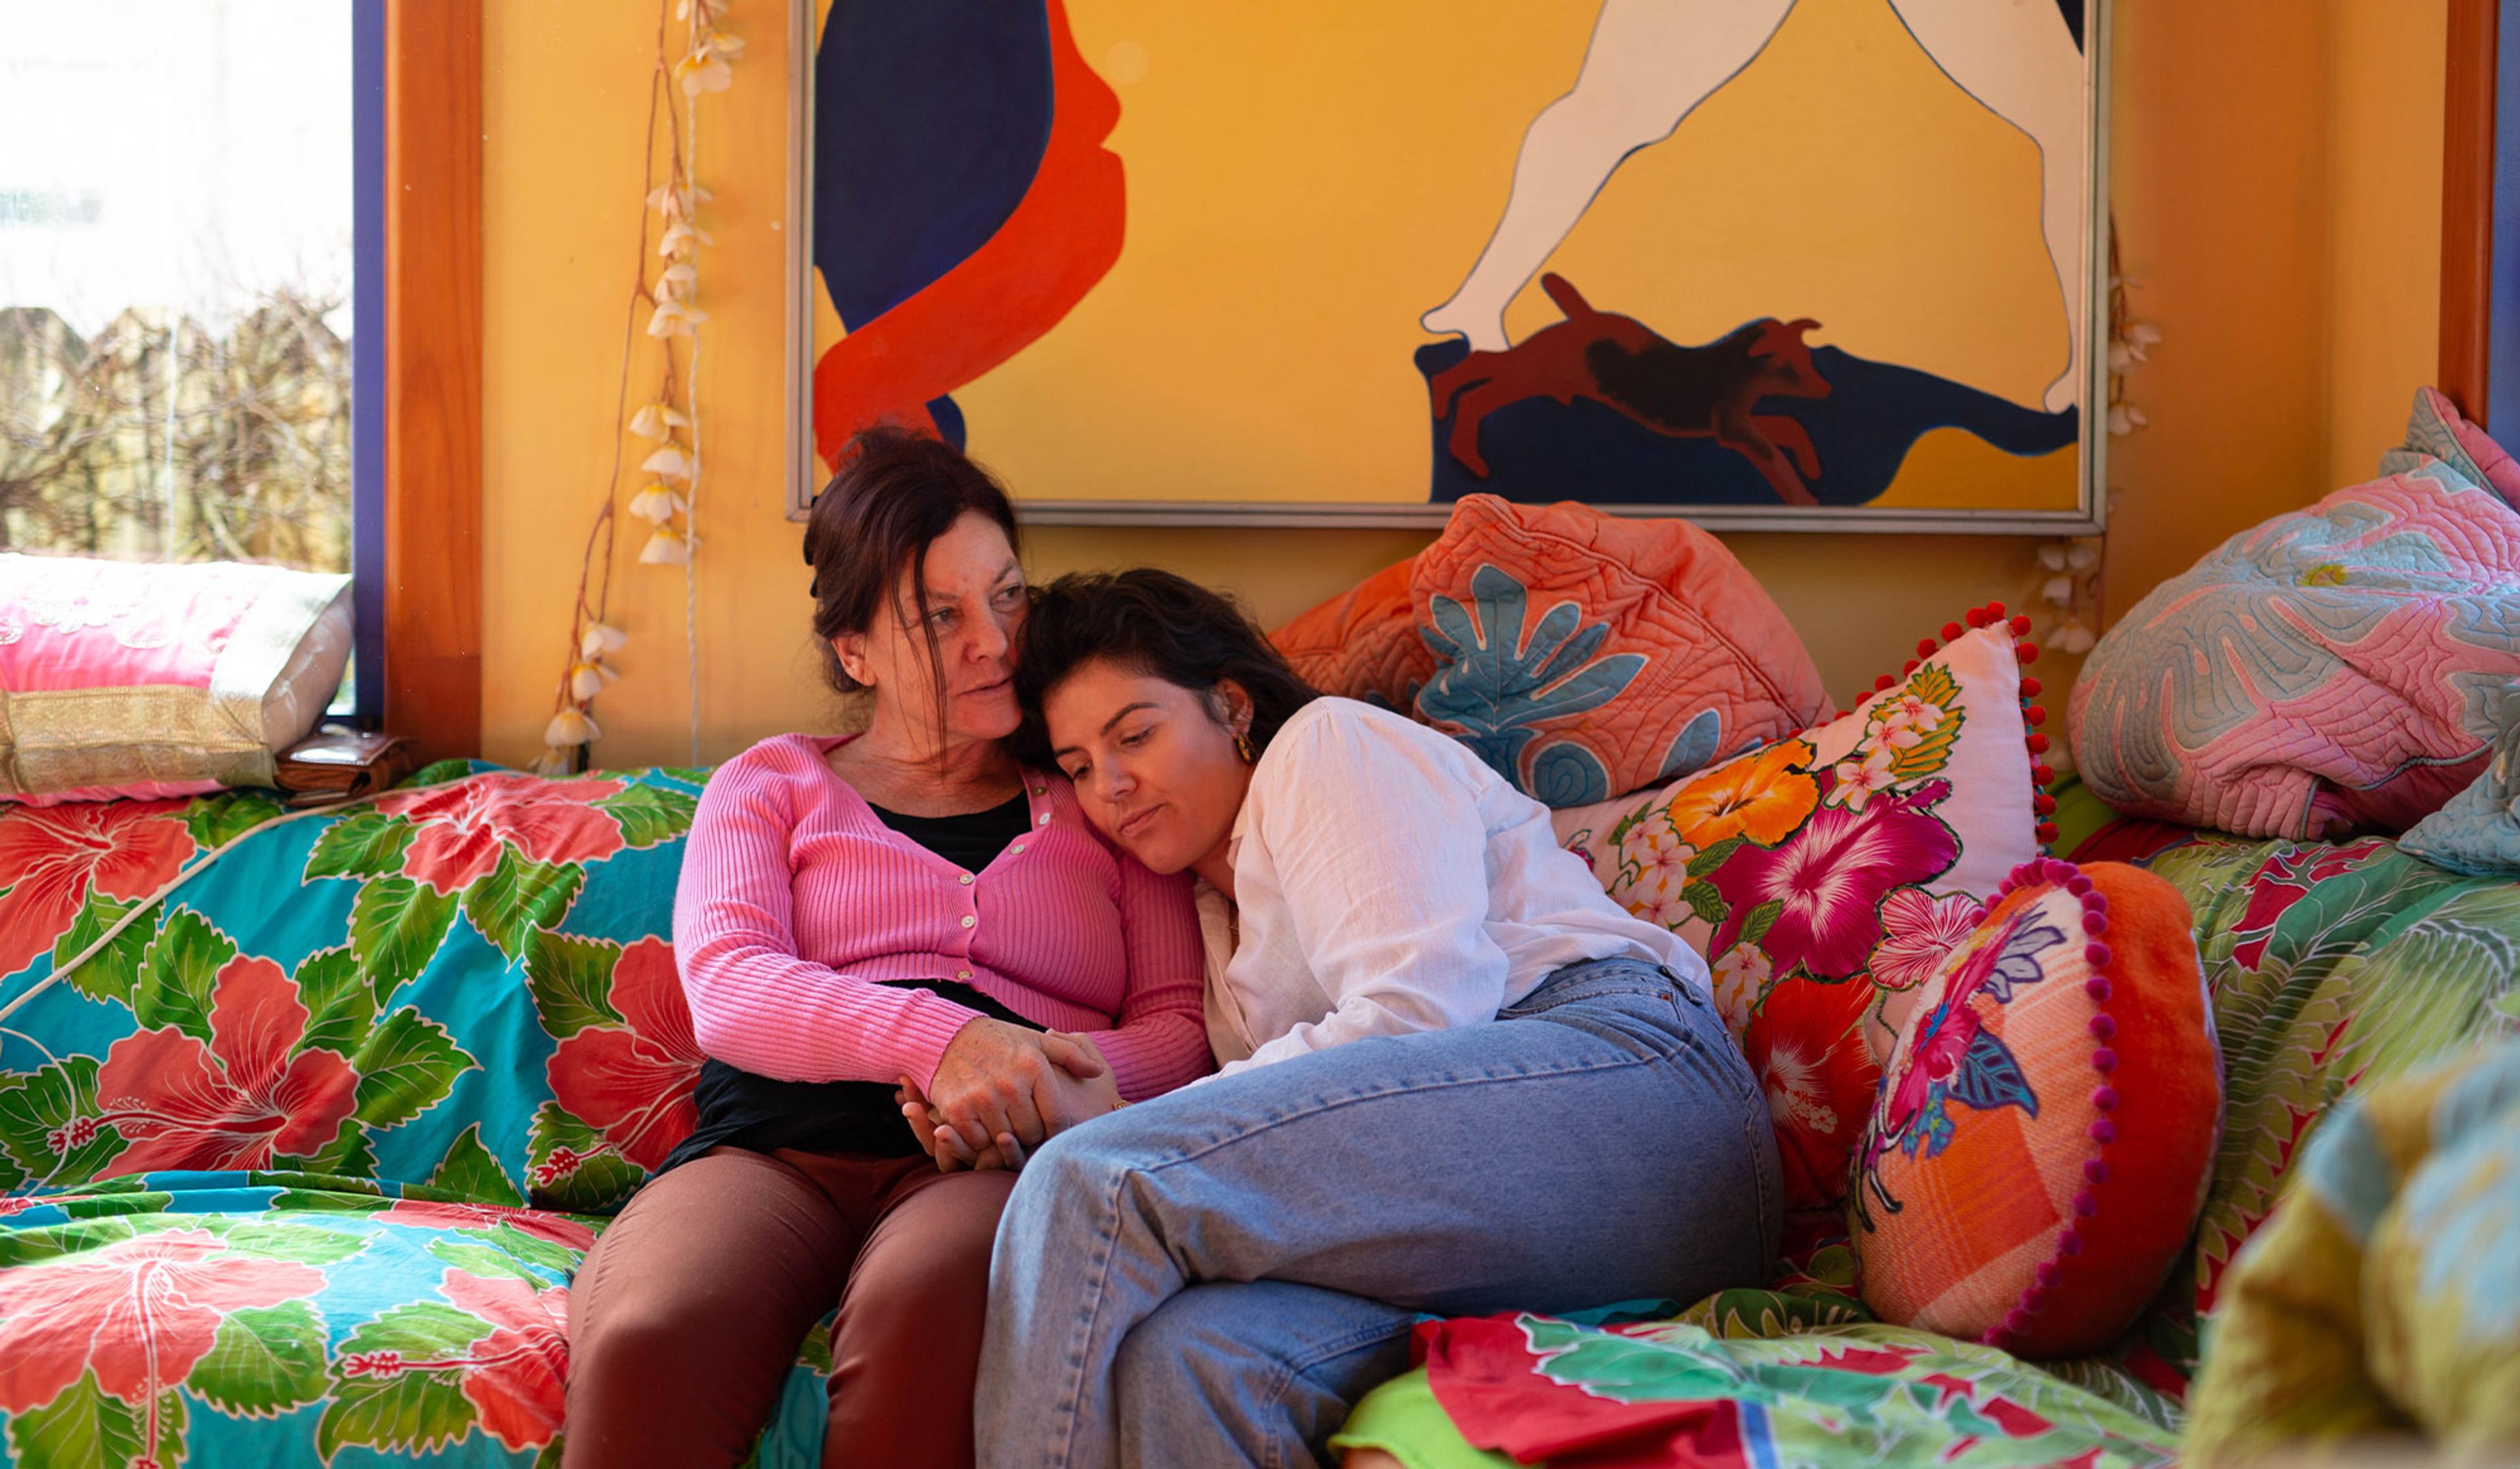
x=2330, y=964
x=297, y=1163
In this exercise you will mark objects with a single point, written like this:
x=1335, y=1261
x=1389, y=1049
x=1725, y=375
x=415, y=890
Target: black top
x=739, y=1109
x=971, y=841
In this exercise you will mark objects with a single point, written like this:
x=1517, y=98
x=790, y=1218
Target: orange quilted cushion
x=1362, y=644
x=1585, y=656
x=2046, y=1122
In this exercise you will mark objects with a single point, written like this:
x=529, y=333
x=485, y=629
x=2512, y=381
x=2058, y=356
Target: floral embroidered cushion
x=2048, y=1121
x=1823, y=877
x=149, y=681
x=1585, y=656
x=1362, y=644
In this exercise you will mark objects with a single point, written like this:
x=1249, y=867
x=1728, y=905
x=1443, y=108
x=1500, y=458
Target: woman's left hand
x=1073, y=1099
x=945, y=1145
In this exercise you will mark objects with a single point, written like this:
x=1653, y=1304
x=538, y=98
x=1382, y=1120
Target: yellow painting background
x=1306, y=178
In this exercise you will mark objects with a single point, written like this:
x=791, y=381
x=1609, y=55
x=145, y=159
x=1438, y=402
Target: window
x=180, y=239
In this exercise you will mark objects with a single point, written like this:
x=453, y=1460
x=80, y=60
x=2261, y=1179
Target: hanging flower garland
x=671, y=423
x=2069, y=569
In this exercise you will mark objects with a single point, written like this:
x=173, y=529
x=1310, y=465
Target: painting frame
x=2086, y=517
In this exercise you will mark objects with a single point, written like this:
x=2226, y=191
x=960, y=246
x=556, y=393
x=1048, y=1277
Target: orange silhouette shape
x=1060, y=240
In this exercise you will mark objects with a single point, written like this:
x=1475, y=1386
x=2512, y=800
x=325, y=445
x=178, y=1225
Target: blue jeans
x=1213, y=1277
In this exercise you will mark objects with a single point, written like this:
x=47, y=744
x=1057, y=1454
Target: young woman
x=1458, y=1079
x=908, y=907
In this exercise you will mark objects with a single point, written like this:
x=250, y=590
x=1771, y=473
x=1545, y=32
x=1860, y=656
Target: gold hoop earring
x=1243, y=747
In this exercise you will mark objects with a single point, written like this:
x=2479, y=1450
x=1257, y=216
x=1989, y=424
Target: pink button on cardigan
x=795, y=898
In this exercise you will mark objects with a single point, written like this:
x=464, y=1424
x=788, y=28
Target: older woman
x=1457, y=1077
x=904, y=911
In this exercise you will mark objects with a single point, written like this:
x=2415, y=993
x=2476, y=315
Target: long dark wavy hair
x=1165, y=626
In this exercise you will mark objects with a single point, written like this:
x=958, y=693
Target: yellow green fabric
x=2383, y=1293
x=1401, y=1418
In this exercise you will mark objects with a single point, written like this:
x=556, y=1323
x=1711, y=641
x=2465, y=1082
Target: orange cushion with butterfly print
x=2047, y=1119
x=1823, y=877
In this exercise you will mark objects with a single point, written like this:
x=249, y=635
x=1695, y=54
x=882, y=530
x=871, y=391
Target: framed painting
x=1768, y=265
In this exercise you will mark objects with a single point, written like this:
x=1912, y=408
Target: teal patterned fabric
x=297, y=1164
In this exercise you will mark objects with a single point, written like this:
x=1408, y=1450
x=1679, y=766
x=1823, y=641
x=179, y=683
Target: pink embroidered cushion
x=2047, y=1123
x=1585, y=656
x=2436, y=429
x=1823, y=877
x=126, y=680
x=2335, y=668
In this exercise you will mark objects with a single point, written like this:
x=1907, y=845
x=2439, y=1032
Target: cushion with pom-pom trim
x=2046, y=1122
x=1824, y=876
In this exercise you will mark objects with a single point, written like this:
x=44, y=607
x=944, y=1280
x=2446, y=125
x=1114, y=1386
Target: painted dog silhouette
x=1709, y=391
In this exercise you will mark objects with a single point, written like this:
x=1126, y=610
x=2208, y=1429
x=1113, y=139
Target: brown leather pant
x=686, y=1317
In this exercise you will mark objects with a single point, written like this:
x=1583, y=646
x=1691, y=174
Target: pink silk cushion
x=148, y=681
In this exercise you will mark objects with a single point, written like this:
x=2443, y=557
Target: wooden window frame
x=433, y=375
x=2468, y=125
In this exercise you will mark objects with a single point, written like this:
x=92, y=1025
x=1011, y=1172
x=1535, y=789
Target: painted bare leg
x=2019, y=62
x=1648, y=65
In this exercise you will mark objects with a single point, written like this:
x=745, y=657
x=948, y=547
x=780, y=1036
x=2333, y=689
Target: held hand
x=942, y=1143
x=1084, y=1087
x=989, y=1082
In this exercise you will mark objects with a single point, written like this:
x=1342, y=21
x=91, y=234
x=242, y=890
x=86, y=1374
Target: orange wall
x=2277, y=191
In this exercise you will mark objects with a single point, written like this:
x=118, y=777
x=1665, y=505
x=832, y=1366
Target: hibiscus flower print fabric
x=1824, y=877
x=299, y=1153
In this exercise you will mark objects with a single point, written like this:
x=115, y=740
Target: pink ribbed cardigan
x=795, y=898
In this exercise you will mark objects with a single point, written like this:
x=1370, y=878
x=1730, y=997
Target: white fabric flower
x=701, y=73
x=669, y=463
x=658, y=503
x=2084, y=557
x=2052, y=555
x=2126, y=418
x=587, y=678
x=569, y=727
x=677, y=201
x=2058, y=589
x=2074, y=637
x=675, y=318
x=708, y=10
x=677, y=281
x=682, y=237
x=601, y=639
x=666, y=548
x=552, y=764
x=657, y=421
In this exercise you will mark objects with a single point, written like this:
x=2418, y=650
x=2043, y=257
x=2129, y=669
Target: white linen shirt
x=1386, y=881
